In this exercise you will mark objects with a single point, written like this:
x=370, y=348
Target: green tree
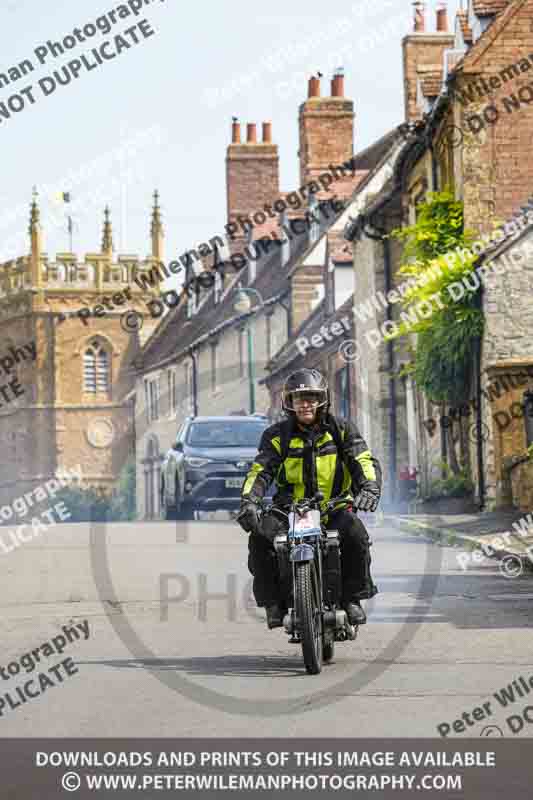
x=442, y=361
x=92, y=505
x=436, y=254
x=124, y=502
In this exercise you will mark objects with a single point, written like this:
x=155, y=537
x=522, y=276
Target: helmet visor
x=299, y=398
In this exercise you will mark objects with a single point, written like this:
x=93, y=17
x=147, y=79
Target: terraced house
x=209, y=354
x=468, y=119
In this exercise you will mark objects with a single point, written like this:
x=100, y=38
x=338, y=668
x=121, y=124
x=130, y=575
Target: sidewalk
x=471, y=531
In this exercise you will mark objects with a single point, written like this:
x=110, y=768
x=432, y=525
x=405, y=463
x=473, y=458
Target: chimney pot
x=337, y=85
x=236, y=133
x=420, y=16
x=251, y=133
x=442, y=18
x=314, y=87
x=267, y=132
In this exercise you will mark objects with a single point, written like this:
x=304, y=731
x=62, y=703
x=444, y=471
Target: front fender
x=303, y=552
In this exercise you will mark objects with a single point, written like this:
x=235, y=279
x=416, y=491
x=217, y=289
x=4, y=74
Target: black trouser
x=357, y=583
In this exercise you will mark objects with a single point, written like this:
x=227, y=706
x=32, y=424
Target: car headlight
x=194, y=462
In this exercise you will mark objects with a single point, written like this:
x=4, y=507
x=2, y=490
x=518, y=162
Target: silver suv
x=205, y=468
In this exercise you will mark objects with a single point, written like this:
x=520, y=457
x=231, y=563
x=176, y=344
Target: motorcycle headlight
x=194, y=462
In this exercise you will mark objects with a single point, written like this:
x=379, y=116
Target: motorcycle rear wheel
x=309, y=617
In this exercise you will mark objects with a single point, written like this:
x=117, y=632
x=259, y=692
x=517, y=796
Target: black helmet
x=305, y=381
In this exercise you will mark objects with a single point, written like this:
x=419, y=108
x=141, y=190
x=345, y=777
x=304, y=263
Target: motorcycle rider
x=301, y=454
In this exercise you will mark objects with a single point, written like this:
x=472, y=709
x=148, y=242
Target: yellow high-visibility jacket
x=312, y=463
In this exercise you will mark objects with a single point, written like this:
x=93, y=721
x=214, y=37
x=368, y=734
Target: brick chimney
x=442, y=18
x=423, y=48
x=252, y=171
x=326, y=128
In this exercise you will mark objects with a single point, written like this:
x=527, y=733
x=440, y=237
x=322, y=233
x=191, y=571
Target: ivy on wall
x=443, y=354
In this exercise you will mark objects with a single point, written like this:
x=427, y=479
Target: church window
x=96, y=377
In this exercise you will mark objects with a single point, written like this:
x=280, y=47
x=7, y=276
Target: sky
x=159, y=114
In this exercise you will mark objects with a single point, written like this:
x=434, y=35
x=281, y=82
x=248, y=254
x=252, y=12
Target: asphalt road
x=164, y=659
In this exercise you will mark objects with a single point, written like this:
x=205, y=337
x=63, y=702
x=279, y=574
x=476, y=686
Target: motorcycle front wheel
x=328, y=651
x=309, y=616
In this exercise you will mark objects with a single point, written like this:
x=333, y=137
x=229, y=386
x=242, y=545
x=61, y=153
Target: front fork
x=325, y=552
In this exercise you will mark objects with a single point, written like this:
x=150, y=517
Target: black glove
x=248, y=516
x=368, y=497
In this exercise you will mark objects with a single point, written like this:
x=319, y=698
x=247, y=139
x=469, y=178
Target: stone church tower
x=66, y=380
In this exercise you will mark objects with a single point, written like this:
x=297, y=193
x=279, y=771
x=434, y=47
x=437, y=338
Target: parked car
x=204, y=470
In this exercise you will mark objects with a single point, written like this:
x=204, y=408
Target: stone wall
x=54, y=425
x=373, y=386
x=521, y=476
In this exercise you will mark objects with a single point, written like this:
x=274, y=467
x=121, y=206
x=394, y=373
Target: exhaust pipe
x=351, y=632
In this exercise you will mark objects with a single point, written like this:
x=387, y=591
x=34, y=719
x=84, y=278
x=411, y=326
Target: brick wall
x=497, y=167
x=252, y=177
x=420, y=49
x=326, y=134
x=306, y=283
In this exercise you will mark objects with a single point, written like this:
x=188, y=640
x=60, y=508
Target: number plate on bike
x=308, y=525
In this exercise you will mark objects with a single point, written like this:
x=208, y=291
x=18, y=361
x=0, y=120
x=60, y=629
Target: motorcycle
x=309, y=564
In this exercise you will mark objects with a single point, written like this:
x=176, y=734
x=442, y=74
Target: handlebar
x=300, y=507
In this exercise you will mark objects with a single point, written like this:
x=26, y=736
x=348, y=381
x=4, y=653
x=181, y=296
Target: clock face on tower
x=100, y=432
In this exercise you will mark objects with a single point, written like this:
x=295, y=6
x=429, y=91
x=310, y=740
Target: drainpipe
x=382, y=237
x=434, y=173
x=194, y=360
x=479, y=420
x=288, y=309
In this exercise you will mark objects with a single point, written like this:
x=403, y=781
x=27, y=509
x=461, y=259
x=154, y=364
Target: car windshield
x=225, y=434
